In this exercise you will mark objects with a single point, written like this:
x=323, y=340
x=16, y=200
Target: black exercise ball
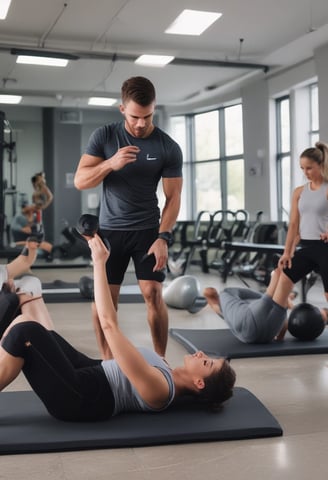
x=305, y=322
x=86, y=287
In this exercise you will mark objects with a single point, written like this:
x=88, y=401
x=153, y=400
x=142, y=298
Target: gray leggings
x=253, y=317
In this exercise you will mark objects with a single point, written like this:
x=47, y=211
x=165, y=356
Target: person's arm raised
x=22, y=263
x=148, y=380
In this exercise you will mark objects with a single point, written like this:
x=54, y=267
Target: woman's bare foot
x=324, y=314
x=213, y=299
x=291, y=298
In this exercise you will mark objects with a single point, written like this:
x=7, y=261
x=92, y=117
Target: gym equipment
x=184, y=293
x=74, y=247
x=268, y=252
x=7, y=189
x=264, y=249
x=221, y=342
x=86, y=287
x=305, y=322
x=88, y=225
x=26, y=426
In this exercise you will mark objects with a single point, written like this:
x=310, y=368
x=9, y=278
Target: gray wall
x=257, y=171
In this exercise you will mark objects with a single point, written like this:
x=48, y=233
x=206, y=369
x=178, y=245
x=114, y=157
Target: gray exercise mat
x=26, y=427
x=222, y=343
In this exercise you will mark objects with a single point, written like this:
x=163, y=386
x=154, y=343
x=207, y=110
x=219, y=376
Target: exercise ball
x=305, y=322
x=86, y=287
x=184, y=293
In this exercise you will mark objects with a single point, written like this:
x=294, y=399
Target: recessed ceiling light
x=192, y=22
x=4, y=7
x=102, y=101
x=10, y=99
x=154, y=60
x=44, y=61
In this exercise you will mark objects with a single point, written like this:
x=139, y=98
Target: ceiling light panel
x=154, y=60
x=102, y=101
x=10, y=99
x=44, y=61
x=4, y=7
x=192, y=22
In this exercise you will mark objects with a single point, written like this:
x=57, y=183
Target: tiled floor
x=294, y=388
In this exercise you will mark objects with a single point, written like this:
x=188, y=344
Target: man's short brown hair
x=140, y=90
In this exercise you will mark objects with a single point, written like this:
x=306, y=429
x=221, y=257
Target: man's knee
x=152, y=293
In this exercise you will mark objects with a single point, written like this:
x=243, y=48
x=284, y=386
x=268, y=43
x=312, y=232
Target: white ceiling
x=108, y=34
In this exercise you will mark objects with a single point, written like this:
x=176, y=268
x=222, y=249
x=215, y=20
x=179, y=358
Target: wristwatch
x=167, y=236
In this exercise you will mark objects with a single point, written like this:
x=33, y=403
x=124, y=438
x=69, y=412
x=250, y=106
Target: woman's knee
x=19, y=336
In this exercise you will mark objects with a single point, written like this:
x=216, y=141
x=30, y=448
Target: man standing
x=130, y=158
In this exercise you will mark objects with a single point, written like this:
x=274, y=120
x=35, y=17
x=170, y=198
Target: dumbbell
x=86, y=287
x=88, y=226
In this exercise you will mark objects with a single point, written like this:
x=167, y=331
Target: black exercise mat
x=26, y=427
x=77, y=298
x=40, y=264
x=67, y=292
x=222, y=343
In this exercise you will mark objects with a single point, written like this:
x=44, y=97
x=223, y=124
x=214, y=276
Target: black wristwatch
x=167, y=236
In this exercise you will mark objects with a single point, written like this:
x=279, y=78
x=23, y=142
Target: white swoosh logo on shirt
x=150, y=158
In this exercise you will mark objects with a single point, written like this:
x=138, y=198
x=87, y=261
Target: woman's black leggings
x=71, y=385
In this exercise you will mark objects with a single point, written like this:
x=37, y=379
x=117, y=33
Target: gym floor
x=293, y=388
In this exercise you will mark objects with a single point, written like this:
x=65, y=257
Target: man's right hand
x=123, y=156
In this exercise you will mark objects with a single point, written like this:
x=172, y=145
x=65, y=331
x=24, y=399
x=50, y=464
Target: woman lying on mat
x=254, y=317
x=74, y=387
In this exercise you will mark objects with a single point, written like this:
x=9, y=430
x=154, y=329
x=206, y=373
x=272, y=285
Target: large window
x=218, y=163
x=207, y=142
x=314, y=114
x=283, y=157
x=212, y=144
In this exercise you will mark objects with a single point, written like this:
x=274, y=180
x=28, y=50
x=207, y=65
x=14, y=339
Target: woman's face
x=311, y=169
x=199, y=364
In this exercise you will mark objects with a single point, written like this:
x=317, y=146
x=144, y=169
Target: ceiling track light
x=219, y=63
x=116, y=57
